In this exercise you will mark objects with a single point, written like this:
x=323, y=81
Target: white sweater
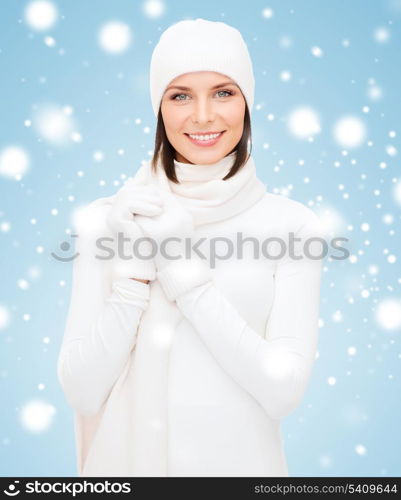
x=242, y=354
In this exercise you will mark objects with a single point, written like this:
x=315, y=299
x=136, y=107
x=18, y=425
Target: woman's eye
x=226, y=91
x=177, y=95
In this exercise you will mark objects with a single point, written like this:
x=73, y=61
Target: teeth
x=204, y=137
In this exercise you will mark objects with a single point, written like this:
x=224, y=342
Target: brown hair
x=166, y=151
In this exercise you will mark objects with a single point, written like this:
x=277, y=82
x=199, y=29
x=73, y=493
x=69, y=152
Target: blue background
x=108, y=93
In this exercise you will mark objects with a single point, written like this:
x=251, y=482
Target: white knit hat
x=200, y=45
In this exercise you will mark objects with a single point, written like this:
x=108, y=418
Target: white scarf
x=128, y=436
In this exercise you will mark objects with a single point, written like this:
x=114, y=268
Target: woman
x=183, y=361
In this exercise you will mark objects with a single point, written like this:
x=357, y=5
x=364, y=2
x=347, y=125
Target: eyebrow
x=224, y=84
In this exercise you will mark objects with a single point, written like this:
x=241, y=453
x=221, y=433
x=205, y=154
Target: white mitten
x=133, y=257
x=178, y=267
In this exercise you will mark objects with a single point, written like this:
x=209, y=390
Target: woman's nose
x=203, y=111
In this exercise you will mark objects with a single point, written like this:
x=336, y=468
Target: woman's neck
x=196, y=172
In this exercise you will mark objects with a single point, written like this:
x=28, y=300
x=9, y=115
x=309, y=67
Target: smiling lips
x=205, y=139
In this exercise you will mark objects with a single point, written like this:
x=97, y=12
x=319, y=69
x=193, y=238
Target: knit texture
x=200, y=45
x=137, y=405
x=181, y=276
x=195, y=386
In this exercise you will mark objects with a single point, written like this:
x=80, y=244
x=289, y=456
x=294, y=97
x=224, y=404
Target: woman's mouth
x=205, y=140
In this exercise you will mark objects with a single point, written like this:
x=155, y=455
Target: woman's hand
x=130, y=201
x=169, y=230
x=178, y=267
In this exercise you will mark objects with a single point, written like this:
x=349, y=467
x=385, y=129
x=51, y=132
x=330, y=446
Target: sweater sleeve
x=100, y=329
x=274, y=367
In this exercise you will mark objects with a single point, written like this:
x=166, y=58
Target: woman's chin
x=203, y=156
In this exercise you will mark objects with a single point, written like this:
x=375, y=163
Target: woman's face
x=210, y=102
